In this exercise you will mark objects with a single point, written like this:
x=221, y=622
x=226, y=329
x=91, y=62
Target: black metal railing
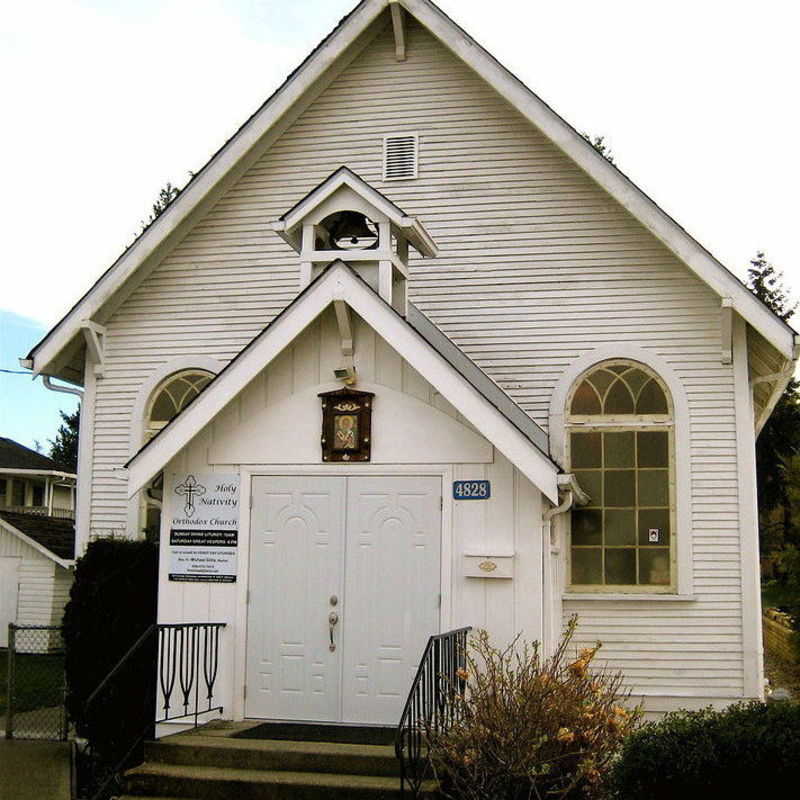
x=431, y=706
x=168, y=674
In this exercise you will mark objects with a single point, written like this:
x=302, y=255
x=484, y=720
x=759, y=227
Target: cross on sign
x=190, y=489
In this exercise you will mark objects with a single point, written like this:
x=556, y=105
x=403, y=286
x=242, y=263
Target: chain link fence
x=35, y=683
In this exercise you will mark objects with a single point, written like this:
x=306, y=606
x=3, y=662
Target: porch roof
x=416, y=339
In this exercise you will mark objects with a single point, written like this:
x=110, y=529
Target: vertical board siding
x=537, y=266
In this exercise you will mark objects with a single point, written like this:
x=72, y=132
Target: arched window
x=172, y=396
x=620, y=446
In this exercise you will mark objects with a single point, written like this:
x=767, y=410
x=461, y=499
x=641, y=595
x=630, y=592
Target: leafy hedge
x=112, y=602
x=746, y=749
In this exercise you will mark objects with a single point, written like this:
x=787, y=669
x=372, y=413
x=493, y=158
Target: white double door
x=344, y=593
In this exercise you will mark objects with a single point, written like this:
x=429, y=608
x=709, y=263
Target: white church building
x=409, y=354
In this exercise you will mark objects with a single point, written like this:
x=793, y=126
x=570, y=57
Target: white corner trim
x=339, y=283
x=153, y=381
x=9, y=528
x=682, y=427
x=752, y=647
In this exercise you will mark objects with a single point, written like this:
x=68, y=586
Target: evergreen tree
x=599, y=144
x=64, y=448
x=167, y=194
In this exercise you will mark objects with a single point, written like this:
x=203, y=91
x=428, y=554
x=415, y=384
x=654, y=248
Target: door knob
x=333, y=618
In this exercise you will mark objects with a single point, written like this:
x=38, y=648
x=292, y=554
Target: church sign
x=204, y=527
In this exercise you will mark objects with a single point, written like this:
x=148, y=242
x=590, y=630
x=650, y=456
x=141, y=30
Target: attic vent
x=400, y=157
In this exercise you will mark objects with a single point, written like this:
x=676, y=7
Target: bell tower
x=345, y=219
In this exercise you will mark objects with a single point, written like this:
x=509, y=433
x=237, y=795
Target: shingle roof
x=14, y=455
x=53, y=533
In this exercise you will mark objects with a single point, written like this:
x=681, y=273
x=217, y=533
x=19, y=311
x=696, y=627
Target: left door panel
x=296, y=558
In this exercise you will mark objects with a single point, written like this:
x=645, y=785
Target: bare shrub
x=529, y=727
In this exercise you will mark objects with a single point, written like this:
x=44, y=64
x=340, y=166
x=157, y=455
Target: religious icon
x=345, y=428
x=346, y=421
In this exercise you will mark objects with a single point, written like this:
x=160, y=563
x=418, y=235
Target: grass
x=39, y=681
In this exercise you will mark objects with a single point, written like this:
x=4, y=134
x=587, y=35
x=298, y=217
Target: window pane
x=585, y=450
x=654, y=527
x=620, y=487
x=163, y=409
x=38, y=495
x=618, y=400
x=618, y=368
x=654, y=566
x=587, y=565
x=653, y=487
x=653, y=450
x=652, y=400
x=601, y=380
x=621, y=566
x=592, y=484
x=620, y=526
x=635, y=379
x=587, y=527
x=585, y=400
x=619, y=449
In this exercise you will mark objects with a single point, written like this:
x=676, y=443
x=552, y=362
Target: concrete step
x=217, y=783
x=270, y=754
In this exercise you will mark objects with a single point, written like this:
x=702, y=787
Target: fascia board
x=624, y=191
x=9, y=528
x=31, y=472
x=338, y=283
x=212, y=174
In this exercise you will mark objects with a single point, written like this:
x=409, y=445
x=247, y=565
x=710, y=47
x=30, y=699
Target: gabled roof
x=266, y=125
x=432, y=355
x=53, y=537
x=288, y=224
x=14, y=455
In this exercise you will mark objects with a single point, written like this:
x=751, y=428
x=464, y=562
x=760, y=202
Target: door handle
x=333, y=618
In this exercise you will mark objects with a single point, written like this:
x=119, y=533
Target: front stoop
x=207, y=764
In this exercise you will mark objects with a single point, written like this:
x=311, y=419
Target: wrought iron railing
x=173, y=669
x=431, y=706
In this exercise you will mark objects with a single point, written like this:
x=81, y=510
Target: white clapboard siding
x=537, y=266
x=43, y=584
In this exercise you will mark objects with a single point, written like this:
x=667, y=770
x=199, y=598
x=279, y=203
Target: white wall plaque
x=478, y=566
x=204, y=527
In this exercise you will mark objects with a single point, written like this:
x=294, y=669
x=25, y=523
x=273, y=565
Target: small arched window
x=621, y=449
x=172, y=396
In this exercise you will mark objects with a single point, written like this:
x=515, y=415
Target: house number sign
x=472, y=490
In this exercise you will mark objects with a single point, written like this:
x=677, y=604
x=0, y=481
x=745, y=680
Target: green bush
x=747, y=748
x=529, y=727
x=112, y=602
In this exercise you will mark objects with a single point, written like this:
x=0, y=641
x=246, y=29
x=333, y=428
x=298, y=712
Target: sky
x=110, y=99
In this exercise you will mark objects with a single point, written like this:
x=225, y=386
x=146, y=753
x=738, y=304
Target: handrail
x=430, y=706
x=187, y=653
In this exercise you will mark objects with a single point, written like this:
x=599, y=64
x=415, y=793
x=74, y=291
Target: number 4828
x=471, y=490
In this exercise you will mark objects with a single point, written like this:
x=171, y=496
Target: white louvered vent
x=400, y=156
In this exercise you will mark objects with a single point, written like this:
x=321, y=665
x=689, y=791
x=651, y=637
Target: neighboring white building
x=37, y=537
x=404, y=218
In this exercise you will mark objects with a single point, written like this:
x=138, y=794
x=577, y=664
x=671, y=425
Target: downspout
x=571, y=494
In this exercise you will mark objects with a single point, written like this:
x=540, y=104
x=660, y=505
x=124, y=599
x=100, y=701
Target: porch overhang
x=337, y=284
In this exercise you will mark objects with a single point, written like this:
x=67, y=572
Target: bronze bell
x=349, y=227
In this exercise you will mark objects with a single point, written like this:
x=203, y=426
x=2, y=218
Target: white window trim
x=138, y=424
x=684, y=584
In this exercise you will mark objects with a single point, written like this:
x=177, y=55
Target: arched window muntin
x=620, y=444
x=171, y=396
